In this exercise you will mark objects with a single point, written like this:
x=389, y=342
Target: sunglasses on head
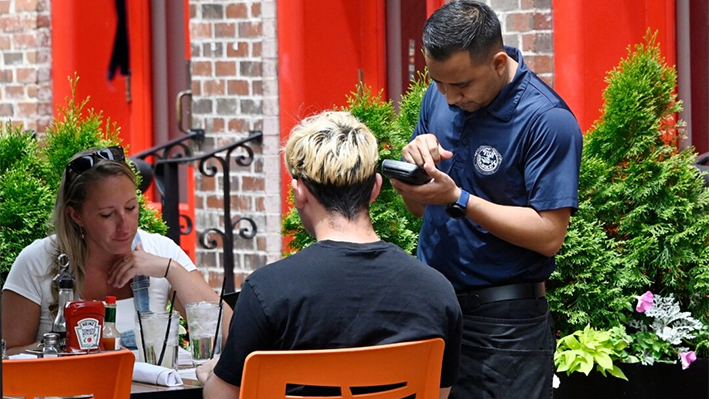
x=85, y=162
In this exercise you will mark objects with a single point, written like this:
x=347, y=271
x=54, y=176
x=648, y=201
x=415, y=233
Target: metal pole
x=171, y=201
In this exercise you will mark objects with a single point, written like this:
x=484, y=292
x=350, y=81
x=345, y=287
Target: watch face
x=455, y=211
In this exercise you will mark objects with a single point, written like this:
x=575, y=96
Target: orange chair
x=106, y=375
x=407, y=368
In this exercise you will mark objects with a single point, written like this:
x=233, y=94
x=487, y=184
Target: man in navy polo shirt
x=504, y=152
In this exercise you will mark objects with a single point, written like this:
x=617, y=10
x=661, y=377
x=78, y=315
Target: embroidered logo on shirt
x=487, y=159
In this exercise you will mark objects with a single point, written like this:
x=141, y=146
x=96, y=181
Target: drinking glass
x=152, y=335
x=202, y=321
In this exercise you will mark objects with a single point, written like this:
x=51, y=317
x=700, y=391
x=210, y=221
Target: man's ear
x=499, y=62
x=377, y=188
x=299, y=193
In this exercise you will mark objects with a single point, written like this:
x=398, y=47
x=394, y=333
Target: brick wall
x=527, y=25
x=25, y=62
x=235, y=87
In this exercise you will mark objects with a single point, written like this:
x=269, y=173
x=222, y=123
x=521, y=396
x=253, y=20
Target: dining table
x=190, y=389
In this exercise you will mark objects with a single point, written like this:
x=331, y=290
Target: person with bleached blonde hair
x=348, y=289
x=335, y=156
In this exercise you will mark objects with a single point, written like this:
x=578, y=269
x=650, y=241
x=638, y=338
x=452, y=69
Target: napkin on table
x=23, y=356
x=156, y=375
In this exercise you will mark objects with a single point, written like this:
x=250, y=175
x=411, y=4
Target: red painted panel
x=414, y=15
x=82, y=42
x=290, y=19
x=140, y=135
x=186, y=13
x=433, y=5
x=590, y=38
x=372, y=44
x=324, y=48
x=340, y=40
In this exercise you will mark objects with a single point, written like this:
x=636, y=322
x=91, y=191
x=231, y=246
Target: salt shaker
x=51, y=343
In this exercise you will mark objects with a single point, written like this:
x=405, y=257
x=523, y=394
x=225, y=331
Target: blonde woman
x=96, y=223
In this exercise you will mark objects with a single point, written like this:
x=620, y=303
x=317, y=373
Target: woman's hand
x=190, y=286
x=138, y=263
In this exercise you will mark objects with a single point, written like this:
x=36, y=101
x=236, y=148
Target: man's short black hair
x=462, y=25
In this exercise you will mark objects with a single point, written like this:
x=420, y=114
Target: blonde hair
x=336, y=156
x=73, y=190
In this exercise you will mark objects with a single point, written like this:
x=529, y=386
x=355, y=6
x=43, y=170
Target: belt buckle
x=473, y=301
x=477, y=301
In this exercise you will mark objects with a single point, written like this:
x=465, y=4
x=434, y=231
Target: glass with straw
x=204, y=330
x=157, y=336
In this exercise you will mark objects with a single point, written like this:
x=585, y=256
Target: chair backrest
x=106, y=375
x=410, y=369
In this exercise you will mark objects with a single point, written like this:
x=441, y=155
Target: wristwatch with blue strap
x=456, y=210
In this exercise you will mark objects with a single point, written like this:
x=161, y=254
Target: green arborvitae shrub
x=25, y=198
x=643, y=220
x=30, y=175
x=391, y=220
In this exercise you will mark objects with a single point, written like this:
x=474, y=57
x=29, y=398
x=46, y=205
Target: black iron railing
x=166, y=161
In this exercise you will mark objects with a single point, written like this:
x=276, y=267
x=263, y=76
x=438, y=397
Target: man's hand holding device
x=408, y=173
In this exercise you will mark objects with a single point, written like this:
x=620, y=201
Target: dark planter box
x=644, y=382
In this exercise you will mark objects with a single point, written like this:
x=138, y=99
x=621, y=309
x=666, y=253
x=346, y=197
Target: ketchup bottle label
x=88, y=332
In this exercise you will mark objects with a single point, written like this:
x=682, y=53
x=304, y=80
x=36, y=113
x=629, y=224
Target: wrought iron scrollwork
x=245, y=232
x=177, y=148
x=189, y=226
x=177, y=152
x=205, y=238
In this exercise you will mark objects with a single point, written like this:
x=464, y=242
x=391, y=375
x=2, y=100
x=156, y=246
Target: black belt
x=474, y=298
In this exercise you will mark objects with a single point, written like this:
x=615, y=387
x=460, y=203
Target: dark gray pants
x=508, y=351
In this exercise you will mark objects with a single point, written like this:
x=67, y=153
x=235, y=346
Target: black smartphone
x=407, y=172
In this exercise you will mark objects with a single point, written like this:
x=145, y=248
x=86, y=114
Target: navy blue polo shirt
x=524, y=149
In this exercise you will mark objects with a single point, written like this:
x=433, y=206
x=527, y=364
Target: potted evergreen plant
x=642, y=227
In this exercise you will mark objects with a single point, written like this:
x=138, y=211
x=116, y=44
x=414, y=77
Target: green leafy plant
x=391, y=220
x=584, y=350
x=30, y=174
x=25, y=199
x=643, y=218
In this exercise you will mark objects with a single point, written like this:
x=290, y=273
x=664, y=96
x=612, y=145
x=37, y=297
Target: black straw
x=219, y=320
x=142, y=336
x=167, y=332
x=216, y=333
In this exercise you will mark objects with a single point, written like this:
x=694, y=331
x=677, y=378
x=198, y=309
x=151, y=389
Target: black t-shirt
x=338, y=294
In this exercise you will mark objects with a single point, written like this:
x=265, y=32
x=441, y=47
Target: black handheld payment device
x=407, y=172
